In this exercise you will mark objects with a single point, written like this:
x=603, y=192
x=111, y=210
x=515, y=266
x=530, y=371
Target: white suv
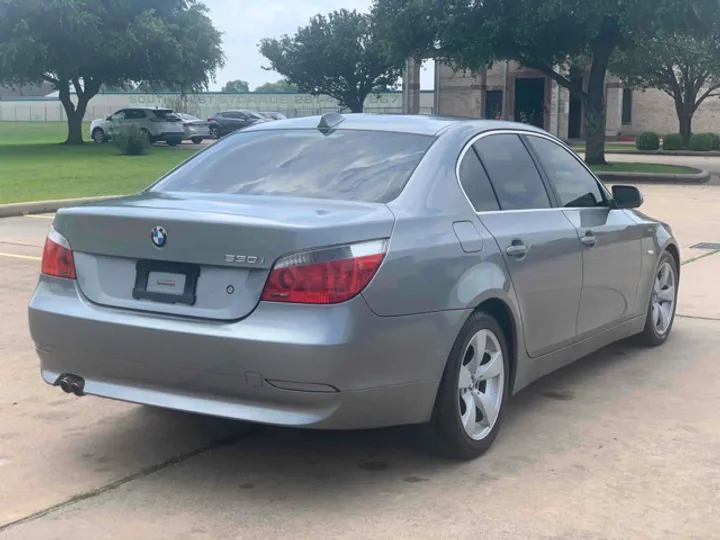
x=158, y=124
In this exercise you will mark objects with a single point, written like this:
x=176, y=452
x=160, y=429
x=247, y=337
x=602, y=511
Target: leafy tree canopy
x=236, y=86
x=685, y=67
x=90, y=43
x=283, y=85
x=556, y=37
x=338, y=55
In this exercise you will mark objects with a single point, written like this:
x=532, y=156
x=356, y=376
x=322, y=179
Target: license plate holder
x=169, y=273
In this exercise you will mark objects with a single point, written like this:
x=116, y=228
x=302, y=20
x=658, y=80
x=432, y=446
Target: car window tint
x=512, y=171
x=366, y=166
x=476, y=183
x=134, y=114
x=232, y=115
x=574, y=185
x=164, y=114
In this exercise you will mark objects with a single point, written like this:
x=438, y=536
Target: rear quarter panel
x=426, y=268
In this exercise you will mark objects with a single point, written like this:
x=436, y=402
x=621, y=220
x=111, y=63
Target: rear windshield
x=362, y=166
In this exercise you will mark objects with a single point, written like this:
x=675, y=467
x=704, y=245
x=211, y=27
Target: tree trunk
x=595, y=115
x=685, y=121
x=355, y=106
x=75, y=114
x=74, y=121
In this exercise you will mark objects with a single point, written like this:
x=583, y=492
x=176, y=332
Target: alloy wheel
x=481, y=384
x=663, y=299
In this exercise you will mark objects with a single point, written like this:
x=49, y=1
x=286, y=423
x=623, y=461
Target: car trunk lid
x=218, y=249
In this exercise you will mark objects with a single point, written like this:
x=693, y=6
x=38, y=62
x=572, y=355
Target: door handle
x=516, y=250
x=589, y=239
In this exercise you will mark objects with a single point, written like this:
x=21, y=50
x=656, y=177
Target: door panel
x=612, y=258
x=548, y=278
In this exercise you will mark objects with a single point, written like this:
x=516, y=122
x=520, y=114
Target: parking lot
x=622, y=445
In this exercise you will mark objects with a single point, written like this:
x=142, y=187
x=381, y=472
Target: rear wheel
x=474, y=390
x=174, y=142
x=98, y=136
x=663, y=301
x=196, y=140
x=214, y=132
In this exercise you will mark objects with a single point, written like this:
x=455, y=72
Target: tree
x=235, y=87
x=338, y=55
x=85, y=44
x=282, y=85
x=557, y=37
x=685, y=67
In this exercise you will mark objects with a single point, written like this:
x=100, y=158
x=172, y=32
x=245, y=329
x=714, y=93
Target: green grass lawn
x=643, y=168
x=608, y=147
x=35, y=167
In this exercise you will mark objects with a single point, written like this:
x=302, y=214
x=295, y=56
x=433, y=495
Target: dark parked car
x=225, y=122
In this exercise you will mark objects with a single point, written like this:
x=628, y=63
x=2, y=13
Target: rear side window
x=168, y=116
x=363, y=166
x=512, y=171
x=476, y=184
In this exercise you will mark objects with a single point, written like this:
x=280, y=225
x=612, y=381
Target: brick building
x=527, y=95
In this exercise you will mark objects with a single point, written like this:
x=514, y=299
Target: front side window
x=574, y=185
x=363, y=166
x=512, y=172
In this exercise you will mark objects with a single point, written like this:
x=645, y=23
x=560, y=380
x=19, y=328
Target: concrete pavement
x=624, y=444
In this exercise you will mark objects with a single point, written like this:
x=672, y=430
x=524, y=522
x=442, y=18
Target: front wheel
x=474, y=390
x=214, y=132
x=196, y=140
x=98, y=136
x=663, y=302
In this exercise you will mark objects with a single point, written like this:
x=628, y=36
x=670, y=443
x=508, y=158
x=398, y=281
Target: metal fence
x=53, y=111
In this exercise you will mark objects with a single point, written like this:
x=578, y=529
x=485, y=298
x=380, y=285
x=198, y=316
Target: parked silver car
x=196, y=130
x=158, y=124
x=353, y=272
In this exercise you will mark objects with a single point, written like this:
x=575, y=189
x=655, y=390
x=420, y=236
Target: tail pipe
x=71, y=384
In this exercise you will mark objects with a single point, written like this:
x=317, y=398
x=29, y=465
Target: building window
x=627, y=106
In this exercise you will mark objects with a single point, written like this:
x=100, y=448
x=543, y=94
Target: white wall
x=202, y=105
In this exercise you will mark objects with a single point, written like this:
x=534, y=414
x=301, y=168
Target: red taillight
x=57, y=259
x=324, y=276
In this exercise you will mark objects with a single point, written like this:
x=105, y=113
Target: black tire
x=98, y=135
x=448, y=436
x=214, y=132
x=147, y=135
x=651, y=336
x=196, y=140
x=174, y=142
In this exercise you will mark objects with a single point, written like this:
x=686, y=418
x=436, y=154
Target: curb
x=701, y=177
x=669, y=153
x=43, y=207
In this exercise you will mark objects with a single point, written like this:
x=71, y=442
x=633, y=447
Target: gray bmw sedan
x=353, y=271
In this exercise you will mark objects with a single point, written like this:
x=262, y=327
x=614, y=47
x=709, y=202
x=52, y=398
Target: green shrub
x=672, y=141
x=647, y=141
x=715, y=141
x=701, y=142
x=132, y=141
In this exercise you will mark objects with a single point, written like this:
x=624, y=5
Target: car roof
x=419, y=124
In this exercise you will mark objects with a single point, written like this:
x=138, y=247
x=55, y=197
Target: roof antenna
x=329, y=121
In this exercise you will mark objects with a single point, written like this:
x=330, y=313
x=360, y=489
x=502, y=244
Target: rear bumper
x=335, y=367
x=170, y=135
x=197, y=134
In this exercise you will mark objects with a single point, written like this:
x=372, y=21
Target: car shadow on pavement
x=307, y=467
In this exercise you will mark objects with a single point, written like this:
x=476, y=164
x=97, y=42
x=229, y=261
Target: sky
x=244, y=23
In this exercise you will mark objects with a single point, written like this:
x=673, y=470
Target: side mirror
x=626, y=197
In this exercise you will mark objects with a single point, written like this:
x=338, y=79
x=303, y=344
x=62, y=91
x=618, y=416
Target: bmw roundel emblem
x=159, y=236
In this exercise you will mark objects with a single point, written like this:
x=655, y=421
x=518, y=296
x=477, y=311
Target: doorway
x=530, y=101
x=493, y=104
